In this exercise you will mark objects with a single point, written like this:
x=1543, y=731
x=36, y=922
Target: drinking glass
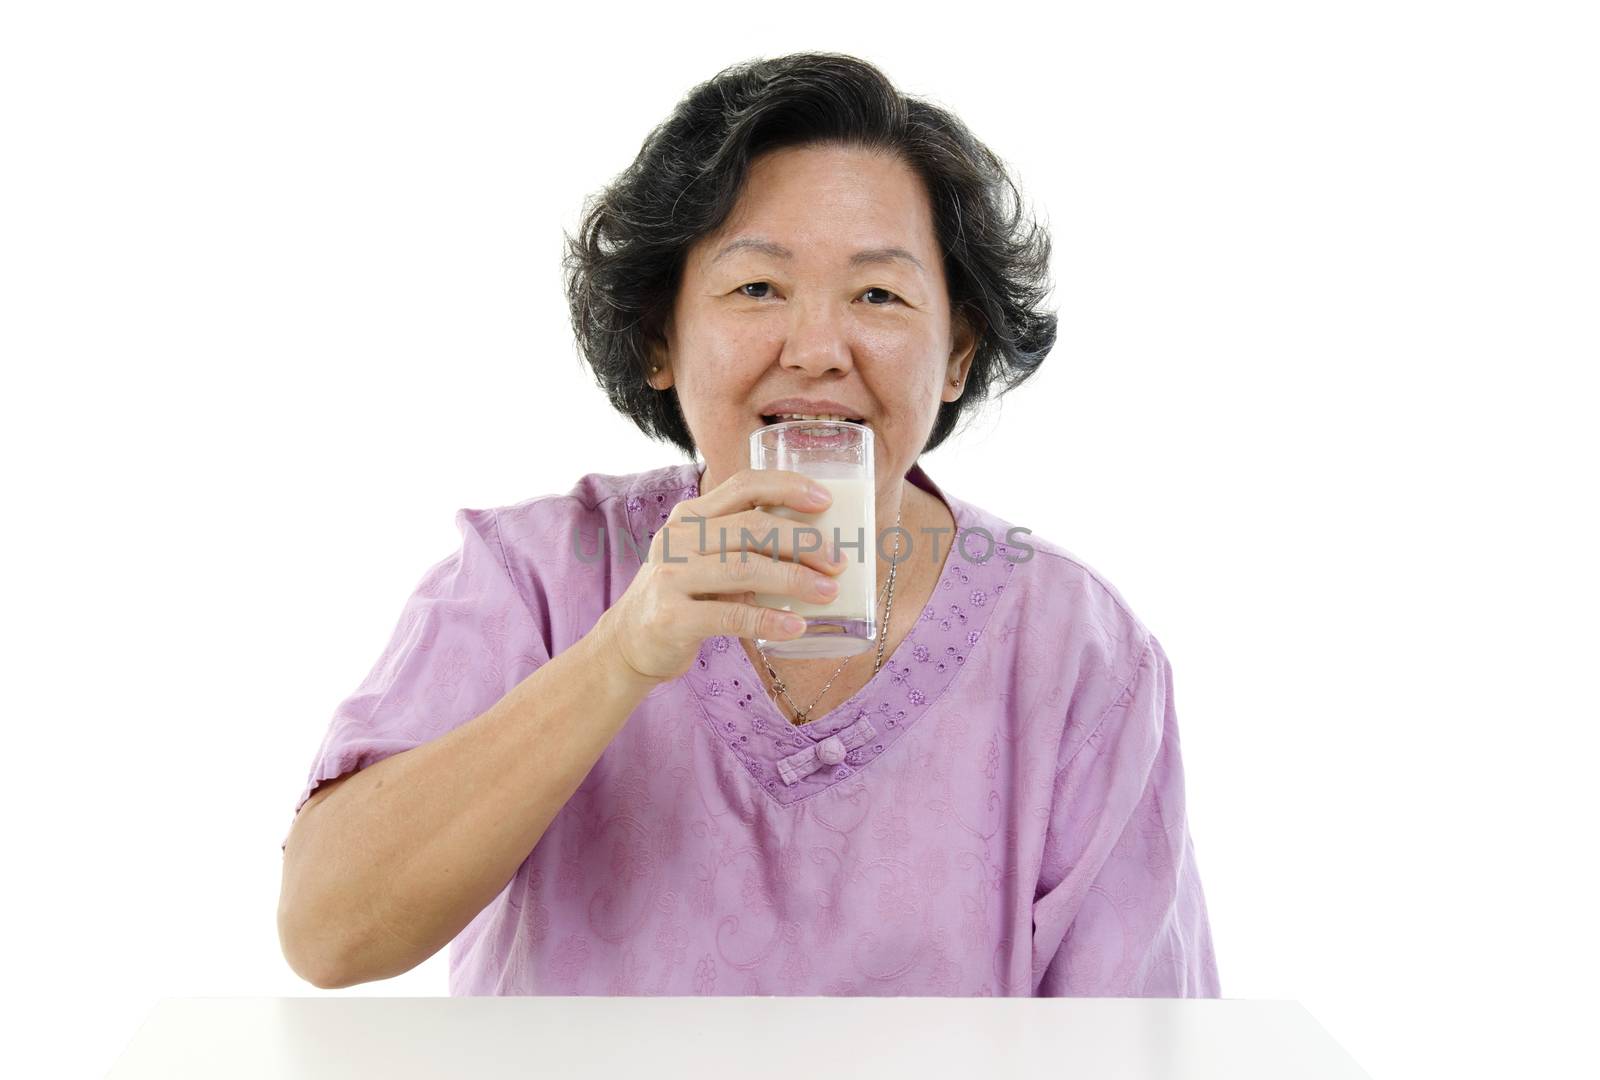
x=838, y=456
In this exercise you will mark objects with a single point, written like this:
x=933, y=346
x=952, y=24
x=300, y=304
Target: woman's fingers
x=747, y=620
x=750, y=488
x=684, y=595
x=760, y=533
x=721, y=573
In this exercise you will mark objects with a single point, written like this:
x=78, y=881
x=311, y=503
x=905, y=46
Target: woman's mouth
x=779, y=418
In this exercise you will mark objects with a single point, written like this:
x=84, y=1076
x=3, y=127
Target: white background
x=280, y=291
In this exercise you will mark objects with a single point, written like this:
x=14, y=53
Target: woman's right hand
x=658, y=624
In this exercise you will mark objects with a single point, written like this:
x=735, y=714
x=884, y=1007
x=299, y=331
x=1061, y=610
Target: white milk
x=852, y=512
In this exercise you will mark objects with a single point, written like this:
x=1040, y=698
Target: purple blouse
x=999, y=811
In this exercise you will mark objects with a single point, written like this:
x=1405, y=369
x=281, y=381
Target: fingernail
x=827, y=586
x=818, y=493
x=793, y=623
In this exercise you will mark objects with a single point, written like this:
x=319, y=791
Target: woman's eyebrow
x=886, y=254
x=860, y=258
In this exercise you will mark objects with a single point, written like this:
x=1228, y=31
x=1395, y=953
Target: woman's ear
x=659, y=374
x=660, y=366
x=963, y=347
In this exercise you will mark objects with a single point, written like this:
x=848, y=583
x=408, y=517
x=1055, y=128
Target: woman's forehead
x=879, y=255
x=844, y=210
x=835, y=181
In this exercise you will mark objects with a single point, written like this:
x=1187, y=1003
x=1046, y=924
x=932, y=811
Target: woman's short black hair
x=623, y=269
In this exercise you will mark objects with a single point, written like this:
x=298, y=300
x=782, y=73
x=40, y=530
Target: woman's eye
x=744, y=290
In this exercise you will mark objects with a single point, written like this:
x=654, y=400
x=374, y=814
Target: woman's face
x=826, y=283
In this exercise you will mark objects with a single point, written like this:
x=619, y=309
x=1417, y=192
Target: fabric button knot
x=829, y=751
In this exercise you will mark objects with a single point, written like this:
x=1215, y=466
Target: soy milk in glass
x=838, y=456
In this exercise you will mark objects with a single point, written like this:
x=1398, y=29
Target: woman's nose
x=818, y=342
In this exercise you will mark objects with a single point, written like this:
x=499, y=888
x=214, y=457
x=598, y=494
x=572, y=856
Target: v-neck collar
x=791, y=762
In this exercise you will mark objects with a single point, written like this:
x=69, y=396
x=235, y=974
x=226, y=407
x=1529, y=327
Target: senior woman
x=573, y=763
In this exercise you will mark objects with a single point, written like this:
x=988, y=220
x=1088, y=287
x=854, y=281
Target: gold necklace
x=887, y=598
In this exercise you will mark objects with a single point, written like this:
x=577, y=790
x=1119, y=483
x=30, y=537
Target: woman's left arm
x=1119, y=910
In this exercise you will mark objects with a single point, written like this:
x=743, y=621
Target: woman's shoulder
x=1072, y=631
x=599, y=492
x=1057, y=595
x=1067, y=574
x=544, y=526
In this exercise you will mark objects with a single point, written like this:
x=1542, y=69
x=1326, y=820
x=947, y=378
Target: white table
x=818, y=1038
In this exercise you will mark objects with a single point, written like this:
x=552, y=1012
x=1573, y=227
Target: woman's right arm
x=384, y=866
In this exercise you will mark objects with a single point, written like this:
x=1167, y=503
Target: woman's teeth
x=816, y=416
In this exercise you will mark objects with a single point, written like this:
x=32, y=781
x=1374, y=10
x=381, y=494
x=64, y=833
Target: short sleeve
x=1119, y=910
x=464, y=638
